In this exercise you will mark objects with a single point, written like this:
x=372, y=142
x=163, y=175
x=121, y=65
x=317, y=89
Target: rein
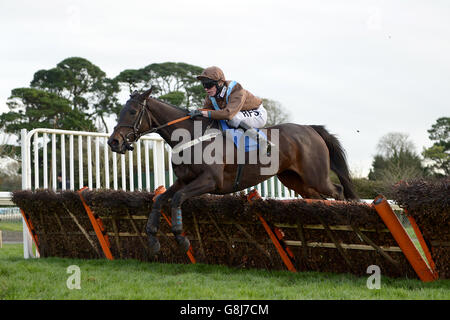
x=137, y=123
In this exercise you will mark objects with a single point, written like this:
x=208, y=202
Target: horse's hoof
x=154, y=245
x=183, y=243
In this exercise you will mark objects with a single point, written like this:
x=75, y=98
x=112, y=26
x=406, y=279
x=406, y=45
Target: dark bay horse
x=305, y=156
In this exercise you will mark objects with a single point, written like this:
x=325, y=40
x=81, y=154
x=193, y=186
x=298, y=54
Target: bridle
x=143, y=112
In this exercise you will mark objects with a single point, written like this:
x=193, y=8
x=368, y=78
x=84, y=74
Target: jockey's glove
x=195, y=113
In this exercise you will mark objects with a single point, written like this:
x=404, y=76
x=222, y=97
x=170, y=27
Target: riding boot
x=253, y=133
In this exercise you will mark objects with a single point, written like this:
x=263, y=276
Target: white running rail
x=51, y=157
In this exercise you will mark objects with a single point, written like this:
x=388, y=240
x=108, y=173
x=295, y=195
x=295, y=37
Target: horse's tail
x=338, y=161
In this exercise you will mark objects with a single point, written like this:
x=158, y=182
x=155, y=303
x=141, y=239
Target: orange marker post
x=403, y=240
x=98, y=227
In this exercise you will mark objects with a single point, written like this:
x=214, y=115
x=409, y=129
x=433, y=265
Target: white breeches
x=255, y=118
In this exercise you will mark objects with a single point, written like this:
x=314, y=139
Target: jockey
x=239, y=107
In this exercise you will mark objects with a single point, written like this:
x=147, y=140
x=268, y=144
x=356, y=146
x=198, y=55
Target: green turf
x=11, y=226
x=46, y=278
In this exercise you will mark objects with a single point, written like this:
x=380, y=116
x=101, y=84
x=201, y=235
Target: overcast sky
x=361, y=68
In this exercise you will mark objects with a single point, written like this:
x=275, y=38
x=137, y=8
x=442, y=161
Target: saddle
x=239, y=137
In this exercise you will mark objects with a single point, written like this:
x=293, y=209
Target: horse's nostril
x=113, y=142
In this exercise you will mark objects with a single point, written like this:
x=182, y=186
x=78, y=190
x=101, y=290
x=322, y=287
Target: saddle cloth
x=238, y=136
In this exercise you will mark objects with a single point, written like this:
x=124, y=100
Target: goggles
x=207, y=84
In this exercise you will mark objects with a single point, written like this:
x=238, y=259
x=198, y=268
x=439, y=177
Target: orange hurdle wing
x=423, y=244
x=402, y=238
x=284, y=254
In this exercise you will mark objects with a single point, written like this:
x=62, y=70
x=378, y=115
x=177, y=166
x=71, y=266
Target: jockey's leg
x=256, y=118
x=249, y=121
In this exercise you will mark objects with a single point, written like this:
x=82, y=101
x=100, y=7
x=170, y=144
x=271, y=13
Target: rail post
x=27, y=240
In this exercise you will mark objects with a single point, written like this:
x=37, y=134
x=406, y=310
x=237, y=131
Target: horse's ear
x=146, y=94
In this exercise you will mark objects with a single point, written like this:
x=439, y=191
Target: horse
x=305, y=156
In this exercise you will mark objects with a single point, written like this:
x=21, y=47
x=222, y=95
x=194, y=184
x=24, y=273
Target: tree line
x=78, y=95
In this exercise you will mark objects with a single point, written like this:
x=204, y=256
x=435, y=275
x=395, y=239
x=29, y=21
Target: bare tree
x=394, y=143
x=396, y=159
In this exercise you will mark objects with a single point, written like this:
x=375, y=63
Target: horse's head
x=134, y=121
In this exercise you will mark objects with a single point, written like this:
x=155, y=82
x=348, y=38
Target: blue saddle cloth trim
x=250, y=143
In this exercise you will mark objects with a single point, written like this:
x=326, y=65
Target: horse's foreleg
x=203, y=184
x=155, y=216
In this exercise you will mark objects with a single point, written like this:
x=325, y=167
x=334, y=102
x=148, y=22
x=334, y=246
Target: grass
x=46, y=278
x=11, y=225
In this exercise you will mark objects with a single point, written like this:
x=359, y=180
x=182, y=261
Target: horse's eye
x=132, y=112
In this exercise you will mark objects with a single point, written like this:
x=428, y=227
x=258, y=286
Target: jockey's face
x=211, y=91
x=210, y=86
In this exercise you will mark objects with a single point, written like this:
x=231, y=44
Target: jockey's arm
x=235, y=102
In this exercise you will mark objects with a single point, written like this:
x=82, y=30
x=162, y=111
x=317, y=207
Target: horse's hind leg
x=339, y=192
x=314, y=189
x=293, y=181
x=323, y=185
